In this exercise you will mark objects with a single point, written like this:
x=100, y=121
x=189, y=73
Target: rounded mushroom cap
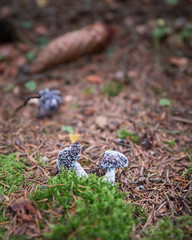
x=75, y=149
x=65, y=159
x=68, y=156
x=113, y=159
x=49, y=101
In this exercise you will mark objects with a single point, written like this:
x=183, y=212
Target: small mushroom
x=112, y=160
x=68, y=158
x=49, y=101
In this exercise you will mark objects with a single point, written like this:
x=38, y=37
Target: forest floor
x=137, y=102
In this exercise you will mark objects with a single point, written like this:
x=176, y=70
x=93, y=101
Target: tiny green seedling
x=165, y=102
x=172, y=143
x=31, y=56
x=68, y=129
x=9, y=87
x=89, y=91
x=160, y=31
x=27, y=24
x=31, y=85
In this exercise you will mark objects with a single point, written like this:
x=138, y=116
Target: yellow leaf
x=41, y=3
x=74, y=137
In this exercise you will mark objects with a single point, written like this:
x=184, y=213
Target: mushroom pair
x=111, y=160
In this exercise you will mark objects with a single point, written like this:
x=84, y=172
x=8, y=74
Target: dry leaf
x=41, y=30
x=41, y=3
x=24, y=209
x=179, y=61
x=89, y=111
x=73, y=137
x=20, y=61
x=72, y=45
x=101, y=121
x=94, y=79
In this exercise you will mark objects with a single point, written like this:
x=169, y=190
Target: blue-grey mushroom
x=49, y=101
x=68, y=158
x=110, y=161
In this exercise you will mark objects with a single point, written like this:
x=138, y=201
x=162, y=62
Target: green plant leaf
x=172, y=2
x=31, y=85
x=43, y=41
x=172, y=143
x=112, y=89
x=1, y=57
x=9, y=87
x=31, y=56
x=68, y=129
x=165, y=102
x=27, y=24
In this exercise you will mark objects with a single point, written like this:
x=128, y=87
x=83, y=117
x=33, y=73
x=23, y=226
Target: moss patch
x=179, y=229
x=11, y=173
x=91, y=208
x=11, y=177
x=79, y=208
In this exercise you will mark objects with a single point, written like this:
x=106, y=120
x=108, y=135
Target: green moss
x=179, y=229
x=11, y=173
x=80, y=208
x=112, y=89
x=91, y=208
x=123, y=133
x=11, y=177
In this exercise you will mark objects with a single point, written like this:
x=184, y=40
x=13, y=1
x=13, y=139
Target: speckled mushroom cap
x=49, y=101
x=113, y=159
x=75, y=148
x=69, y=156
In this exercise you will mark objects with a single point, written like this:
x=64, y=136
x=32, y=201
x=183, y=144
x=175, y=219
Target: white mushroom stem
x=110, y=175
x=79, y=170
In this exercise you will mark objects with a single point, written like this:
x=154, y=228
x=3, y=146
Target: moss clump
x=11, y=173
x=123, y=134
x=112, y=89
x=179, y=229
x=11, y=177
x=91, y=208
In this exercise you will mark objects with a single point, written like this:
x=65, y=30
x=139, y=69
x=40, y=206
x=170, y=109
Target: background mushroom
x=112, y=160
x=68, y=158
x=49, y=101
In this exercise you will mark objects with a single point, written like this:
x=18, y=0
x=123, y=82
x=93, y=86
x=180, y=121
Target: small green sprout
x=172, y=143
x=31, y=85
x=163, y=102
x=68, y=129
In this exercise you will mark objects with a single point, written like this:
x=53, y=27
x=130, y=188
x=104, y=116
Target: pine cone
x=72, y=45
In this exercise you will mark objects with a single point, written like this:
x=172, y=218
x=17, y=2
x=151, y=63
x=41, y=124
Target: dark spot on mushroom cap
x=113, y=159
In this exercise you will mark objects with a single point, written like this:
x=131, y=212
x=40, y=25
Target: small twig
x=5, y=185
x=178, y=110
x=184, y=120
x=25, y=103
x=170, y=203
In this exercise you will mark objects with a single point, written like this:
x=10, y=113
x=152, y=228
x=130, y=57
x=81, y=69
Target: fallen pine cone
x=72, y=45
